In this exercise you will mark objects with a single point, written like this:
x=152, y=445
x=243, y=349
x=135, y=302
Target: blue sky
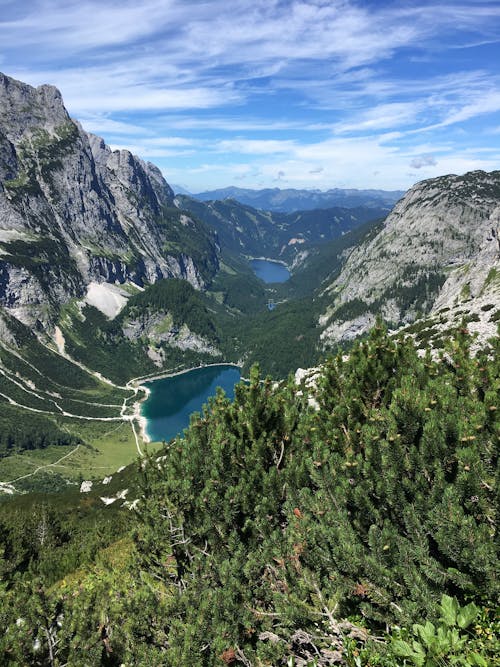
x=273, y=93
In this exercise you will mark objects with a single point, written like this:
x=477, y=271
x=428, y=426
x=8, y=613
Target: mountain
x=74, y=213
x=246, y=230
x=107, y=277
x=180, y=190
x=101, y=280
x=289, y=200
x=437, y=254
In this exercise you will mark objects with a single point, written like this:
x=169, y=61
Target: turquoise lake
x=269, y=271
x=174, y=399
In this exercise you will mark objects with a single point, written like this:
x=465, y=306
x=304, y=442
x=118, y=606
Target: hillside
x=242, y=229
x=73, y=212
x=352, y=521
x=82, y=230
x=438, y=253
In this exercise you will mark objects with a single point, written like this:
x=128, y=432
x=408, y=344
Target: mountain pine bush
x=296, y=525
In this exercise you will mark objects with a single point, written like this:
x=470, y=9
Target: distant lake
x=269, y=271
x=174, y=399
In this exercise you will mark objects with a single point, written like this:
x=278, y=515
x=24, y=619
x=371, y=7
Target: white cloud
x=255, y=146
x=151, y=152
x=320, y=90
x=67, y=24
x=423, y=161
x=100, y=125
x=382, y=116
x=489, y=102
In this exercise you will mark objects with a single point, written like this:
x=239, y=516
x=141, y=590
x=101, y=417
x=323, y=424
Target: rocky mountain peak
x=24, y=108
x=73, y=212
x=438, y=249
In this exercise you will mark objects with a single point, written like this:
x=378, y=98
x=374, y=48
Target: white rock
x=85, y=487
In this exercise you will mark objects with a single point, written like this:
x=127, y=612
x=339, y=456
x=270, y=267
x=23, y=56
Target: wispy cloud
x=317, y=85
x=255, y=146
x=423, y=161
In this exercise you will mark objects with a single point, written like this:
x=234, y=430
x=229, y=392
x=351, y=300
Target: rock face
x=73, y=212
x=438, y=250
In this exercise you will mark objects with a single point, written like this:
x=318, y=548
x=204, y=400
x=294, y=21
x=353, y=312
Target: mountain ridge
x=290, y=199
x=106, y=214
x=438, y=249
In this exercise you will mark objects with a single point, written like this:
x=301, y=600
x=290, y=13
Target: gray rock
x=439, y=247
x=92, y=213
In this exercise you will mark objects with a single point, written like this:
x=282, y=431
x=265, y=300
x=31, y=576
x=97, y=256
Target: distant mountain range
x=290, y=200
x=243, y=229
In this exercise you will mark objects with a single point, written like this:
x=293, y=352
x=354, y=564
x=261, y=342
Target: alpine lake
x=270, y=271
x=172, y=400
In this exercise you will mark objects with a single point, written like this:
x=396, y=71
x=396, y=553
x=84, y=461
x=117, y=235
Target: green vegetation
x=47, y=259
x=447, y=643
x=242, y=229
x=37, y=378
x=324, y=262
x=281, y=340
x=99, y=343
x=282, y=530
x=40, y=156
x=186, y=237
x=179, y=299
x=103, y=448
x=19, y=432
x=239, y=288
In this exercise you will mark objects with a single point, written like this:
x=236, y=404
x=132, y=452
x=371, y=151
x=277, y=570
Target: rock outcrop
x=438, y=250
x=73, y=212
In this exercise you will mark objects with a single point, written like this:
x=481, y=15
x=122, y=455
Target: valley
x=108, y=278
x=305, y=517
x=138, y=282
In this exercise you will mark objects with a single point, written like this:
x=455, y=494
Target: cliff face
x=437, y=251
x=73, y=212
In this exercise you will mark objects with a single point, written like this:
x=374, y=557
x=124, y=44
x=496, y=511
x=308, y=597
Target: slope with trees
x=296, y=525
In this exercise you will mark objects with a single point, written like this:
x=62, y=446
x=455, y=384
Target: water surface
x=174, y=399
x=269, y=271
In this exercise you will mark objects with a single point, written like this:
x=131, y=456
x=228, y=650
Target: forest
x=349, y=519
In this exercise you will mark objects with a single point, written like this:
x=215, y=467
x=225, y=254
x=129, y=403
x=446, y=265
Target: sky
x=273, y=93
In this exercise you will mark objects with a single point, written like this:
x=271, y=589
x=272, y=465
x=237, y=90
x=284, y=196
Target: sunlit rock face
x=73, y=212
x=438, y=251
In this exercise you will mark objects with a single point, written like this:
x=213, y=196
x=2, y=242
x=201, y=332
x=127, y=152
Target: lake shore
x=271, y=259
x=138, y=417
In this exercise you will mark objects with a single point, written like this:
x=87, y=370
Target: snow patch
x=7, y=235
x=109, y=299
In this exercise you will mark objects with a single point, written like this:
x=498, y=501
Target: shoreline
x=137, y=383
x=275, y=261
x=138, y=417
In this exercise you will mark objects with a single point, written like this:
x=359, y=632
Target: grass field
x=107, y=447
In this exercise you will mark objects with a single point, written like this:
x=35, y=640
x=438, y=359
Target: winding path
x=47, y=465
